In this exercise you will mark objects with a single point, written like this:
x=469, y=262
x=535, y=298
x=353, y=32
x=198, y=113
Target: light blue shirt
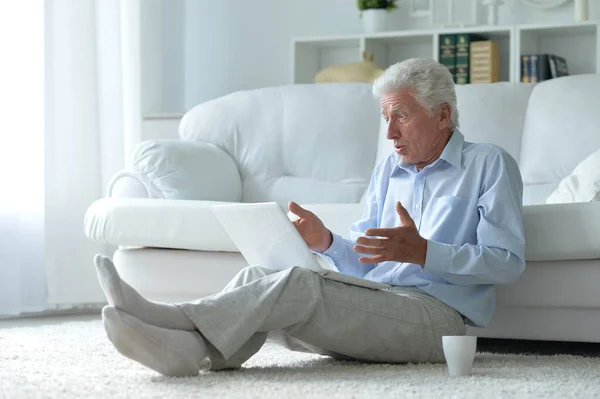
x=468, y=205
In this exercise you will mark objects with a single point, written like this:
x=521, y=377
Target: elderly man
x=442, y=225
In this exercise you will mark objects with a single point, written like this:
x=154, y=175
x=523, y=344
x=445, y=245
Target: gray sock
x=121, y=295
x=173, y=353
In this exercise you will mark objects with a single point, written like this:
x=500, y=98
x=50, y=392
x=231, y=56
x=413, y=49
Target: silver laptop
x=266, y=237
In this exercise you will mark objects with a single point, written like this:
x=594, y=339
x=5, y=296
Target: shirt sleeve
x=341, y=251
x=499, y=255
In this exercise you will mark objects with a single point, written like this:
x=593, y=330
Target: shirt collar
x=453, y=151
x=452, y=154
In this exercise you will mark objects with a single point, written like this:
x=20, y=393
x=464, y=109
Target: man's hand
x=398, y=244
x=311, y=228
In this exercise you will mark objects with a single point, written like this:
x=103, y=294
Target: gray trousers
x=304, y=311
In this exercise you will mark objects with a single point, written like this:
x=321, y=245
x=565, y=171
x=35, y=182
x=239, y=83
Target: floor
x=70, y=357
x=526, y=347
x=46, y=320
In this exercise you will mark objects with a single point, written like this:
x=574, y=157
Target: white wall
x=163, y=127
x=232, y=44
x=173, y=55
x=211, y=48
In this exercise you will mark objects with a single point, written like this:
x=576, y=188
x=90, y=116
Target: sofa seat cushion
x=338, y=218
x=183, y=224
x=536, y=194
x=159, y=223
x=552, y=232
x=562, y=231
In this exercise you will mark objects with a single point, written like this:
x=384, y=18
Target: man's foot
x=173, y=353
x=121, y=295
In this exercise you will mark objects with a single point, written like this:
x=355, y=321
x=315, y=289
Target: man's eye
x=401, y=116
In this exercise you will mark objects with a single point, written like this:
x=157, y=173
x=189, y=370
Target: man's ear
x=445, y=116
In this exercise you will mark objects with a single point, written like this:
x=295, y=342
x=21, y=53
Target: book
x=540, y=67
x=484, y=62
x=525, y=69
x=447, y=53
x=558, y=66
x=463, y=51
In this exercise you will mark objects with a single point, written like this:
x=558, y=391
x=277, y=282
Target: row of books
x=540, y=67
x=470, y=58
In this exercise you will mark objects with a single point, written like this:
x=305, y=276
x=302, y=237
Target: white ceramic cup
x=460, y=353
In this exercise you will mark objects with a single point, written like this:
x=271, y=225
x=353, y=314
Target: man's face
x=418, y=138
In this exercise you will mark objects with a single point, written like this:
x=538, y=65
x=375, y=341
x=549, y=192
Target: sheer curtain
x=77, y=64
x=22, y=273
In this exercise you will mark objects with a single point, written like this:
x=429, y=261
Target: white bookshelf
x=578, y=43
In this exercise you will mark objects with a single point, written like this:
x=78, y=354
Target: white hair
x=430, y=82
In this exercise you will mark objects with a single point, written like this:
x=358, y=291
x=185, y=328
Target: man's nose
x=392, y=132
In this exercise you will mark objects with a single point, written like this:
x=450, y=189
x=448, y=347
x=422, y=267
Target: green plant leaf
x=388, y=5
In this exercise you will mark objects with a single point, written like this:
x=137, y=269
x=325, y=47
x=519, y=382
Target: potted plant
x=374, y=13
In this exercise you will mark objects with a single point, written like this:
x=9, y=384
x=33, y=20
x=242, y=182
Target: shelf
x=576, y=42
x=326, y=39
x=389, y=50
x=392, y=40
x=328, y=42
x=401, y=35
x=407, y=34
x=311, y=57
x=561, y=29
x=492, y=30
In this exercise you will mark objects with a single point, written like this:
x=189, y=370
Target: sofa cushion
x=561, y=127
x=316, y=136
x=536, y=194
x=302, y=190
x=159, y=223
x=552, y=232
x=562, y=231
x=494, y=113
x=183, y=224
x=567, y=284
x=582, y=185
x=188, y=170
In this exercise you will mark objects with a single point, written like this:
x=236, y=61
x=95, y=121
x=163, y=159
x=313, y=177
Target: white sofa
x=317, y=145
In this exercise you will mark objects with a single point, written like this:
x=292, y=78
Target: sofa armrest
x=128, y=184
x=185, y=170
x=562, y=231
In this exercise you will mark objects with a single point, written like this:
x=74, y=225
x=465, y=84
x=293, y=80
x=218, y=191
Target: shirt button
x=418, y=206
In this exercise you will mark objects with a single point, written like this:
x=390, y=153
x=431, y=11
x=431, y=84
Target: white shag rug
x=75, y=359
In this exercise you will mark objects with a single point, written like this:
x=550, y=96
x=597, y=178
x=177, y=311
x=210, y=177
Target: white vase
x=492, y=5
x=580, y=9
x=375, y=20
